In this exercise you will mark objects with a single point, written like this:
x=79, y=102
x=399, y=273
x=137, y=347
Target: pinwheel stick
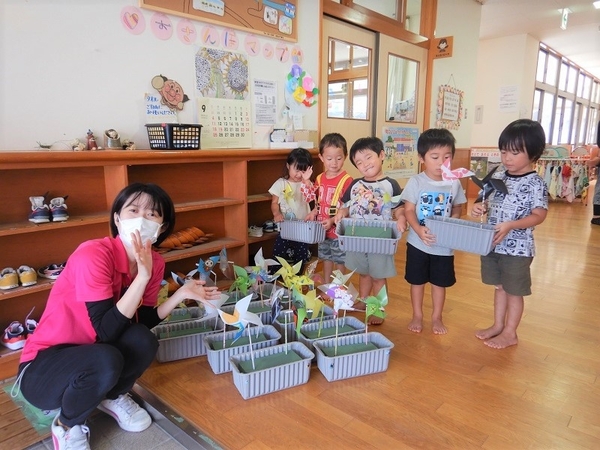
x=320, y=323
x=251, y=350
x=336, y=337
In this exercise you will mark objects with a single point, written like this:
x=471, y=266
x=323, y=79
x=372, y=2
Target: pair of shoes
x=9, y=278
x=596, y=221
x=255, y=231
x=76, y=437
x=43, y=213
x=269, y=226
x=51, y=271
x=16, y=334
x=128, y=414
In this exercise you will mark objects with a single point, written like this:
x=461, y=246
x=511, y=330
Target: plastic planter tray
x=346, y=325
x=181, y=340
x=218, y=357
x=356, y=363
x=302, y=231
x=280, y=324
x=460, y=234
x=265, y=381
x=260, y=308
x=349, y=243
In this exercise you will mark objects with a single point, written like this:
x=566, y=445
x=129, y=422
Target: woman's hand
x=196, y=290
x=143, y=255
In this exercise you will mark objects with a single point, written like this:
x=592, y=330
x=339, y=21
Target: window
x=566, y=100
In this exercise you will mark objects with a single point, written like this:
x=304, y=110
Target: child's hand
x=501, y=230
x=311, y=216
x=328, y=223
x=306, y=175
x=425, y=235
x=277, y=217
x=479, y=209
x=401, y=224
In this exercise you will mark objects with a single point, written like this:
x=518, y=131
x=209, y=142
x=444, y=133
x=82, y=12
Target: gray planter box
x=460, y=234
x=254, y=306
x=281, y=325
x=181, y=340
x=353, y=364
x=350, y=243
x=328, y=329
x=301, y=231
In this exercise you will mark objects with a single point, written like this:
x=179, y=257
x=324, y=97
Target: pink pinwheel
x=448, y=174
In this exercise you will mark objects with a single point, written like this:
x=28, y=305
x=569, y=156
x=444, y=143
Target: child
x=288, y=203
x=514, y=216
x=427, y=194
x=328, y=190
x=369, y=197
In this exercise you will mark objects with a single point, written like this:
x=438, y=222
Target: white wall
x=460, y=19
x=503, y=63
x=66, y=67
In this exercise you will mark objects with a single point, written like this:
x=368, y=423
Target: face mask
x=148, y=229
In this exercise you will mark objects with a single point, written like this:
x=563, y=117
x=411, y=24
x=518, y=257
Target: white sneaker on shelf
x=74, y=438
x=255, y=231
x=128, y=414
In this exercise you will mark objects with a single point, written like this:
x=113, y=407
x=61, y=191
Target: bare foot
x=416, y=325
x=503, y=340
x=488, y=333
x=373, y=320
x=359, y=306
x=438, y=327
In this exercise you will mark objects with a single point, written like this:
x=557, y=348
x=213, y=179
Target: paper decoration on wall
x=449, y=107
x=186, y=32
x=300, y=90
x=210, y=35
x=230, y=39
x=133, y=20
x=161, y=26
x=221, y=74
x=171, y=92
x=268, y=50
x=252, y=45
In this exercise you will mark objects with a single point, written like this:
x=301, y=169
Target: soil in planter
x=348, y=349
x=186, y=332
x=269, y=361
x=326, y=332
x=244, y=340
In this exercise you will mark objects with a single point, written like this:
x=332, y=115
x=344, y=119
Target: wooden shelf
x=207, y=204
x=42, y=284
x=212, y=247
x=10, y=229
x=263, y=238
x=259, y=198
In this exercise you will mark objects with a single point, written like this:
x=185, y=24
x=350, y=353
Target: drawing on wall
x=449, y=107
x=133, y=20
x=171, y=92
x=221, y=74
x=273, y=18
x=400, y=145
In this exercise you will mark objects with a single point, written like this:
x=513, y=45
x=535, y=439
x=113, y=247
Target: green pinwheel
x=305, y=302
x=375, y=305
x=243, y=280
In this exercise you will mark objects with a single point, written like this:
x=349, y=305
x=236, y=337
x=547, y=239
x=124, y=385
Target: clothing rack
x=567, y=178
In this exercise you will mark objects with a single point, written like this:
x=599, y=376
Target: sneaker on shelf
x=255, y=231
x=128, y=414
x=51, y=271
x=269, y=226
x=14, y=336
x=30, y=324
x=40, y=212
x=76, y=437
x=58, y=209
x=27, y=276
x=595, y=221
x=9, y=278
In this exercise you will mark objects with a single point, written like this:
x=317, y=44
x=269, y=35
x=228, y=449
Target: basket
x=346, y=326
x=357, y=363
x=308, y=232
x=350, y=243
x=173, y=136
x=460, y=234
x=184, y=339
x=218, y=358
x=288, y=328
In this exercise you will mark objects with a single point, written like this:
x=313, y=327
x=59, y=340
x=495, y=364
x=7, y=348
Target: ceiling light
x=596, y=4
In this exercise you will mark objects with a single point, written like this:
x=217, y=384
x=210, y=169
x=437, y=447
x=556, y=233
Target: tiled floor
x=105, y=434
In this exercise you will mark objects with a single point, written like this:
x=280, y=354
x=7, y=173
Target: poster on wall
x=483, y=161
x=274, y=18
x=401, y=158
x=449, y=107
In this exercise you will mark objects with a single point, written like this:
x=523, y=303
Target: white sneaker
x=255, y=231
x=128, y=414
x=74, y=438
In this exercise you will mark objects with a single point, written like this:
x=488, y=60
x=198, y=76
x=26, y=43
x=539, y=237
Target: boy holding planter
x=427, y=194
x=370, y=197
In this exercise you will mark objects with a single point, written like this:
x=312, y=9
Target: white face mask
x=148, y=229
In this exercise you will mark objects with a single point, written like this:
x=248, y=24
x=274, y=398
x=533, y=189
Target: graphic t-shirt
x=291, y=202
x=371, y=200
x=431, y=198
x=525, y=193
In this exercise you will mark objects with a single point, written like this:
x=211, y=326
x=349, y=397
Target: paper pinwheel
x=339, y=278
x=375, y=305
x=488, y=185
x=448, y=174
x=224, y=263
x=181, y=281
x=289, y=274
x=304, y=303
x=275, y=302
x=205, y=269
x=212, y=306
x=261, y=269
x=241, y=317
x=243, y=280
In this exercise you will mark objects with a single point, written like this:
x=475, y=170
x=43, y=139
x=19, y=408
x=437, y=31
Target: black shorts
x=424, y=268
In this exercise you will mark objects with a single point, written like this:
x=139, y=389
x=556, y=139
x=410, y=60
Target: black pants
x=76, y=378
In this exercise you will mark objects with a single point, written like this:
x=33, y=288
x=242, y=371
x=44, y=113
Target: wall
x=66, y=67
x=507, y=63
x=458, y=71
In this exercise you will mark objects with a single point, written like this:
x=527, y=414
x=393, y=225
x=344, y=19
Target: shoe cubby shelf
x=220, y=192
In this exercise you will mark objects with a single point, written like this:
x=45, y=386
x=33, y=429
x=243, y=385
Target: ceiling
x=580, y=42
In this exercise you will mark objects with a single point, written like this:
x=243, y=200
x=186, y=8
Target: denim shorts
x=329, y=250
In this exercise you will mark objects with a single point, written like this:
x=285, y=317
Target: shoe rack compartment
x=214, y=190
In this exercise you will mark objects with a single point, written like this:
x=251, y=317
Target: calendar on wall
x=225, y=123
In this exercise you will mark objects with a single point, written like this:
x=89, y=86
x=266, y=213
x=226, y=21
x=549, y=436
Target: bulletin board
x=273, y=18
